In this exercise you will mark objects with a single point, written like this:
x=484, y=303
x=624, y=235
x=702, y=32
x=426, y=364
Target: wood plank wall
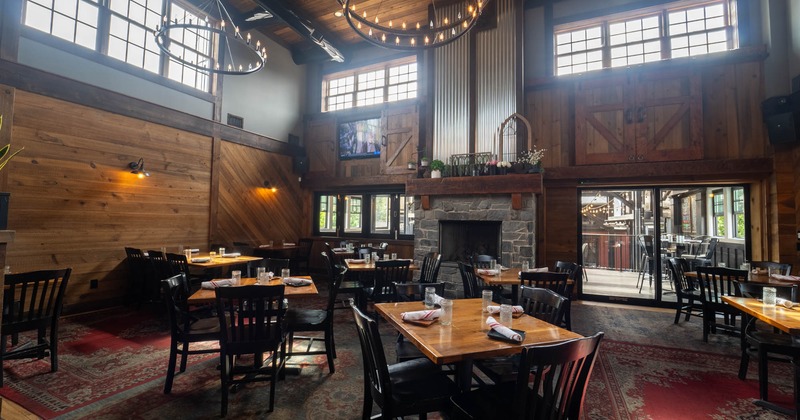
x=74, y=202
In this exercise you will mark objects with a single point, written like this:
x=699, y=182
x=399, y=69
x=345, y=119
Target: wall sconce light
x=272, y=188
x=137, y=168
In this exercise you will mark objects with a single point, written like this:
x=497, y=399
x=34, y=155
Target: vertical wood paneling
x=74, y=202
x=496, y=77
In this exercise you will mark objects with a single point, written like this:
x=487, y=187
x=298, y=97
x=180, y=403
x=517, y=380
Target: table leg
x=514, y=293
x=464, y=375
x=784, y=410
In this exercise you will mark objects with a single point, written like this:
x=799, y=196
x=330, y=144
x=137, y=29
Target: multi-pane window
x=387, y=82
x=646, y=35
x=718, y=212
x=129, y=36
x=327, y=214
x=381, y=220
x=387, y=215
x=738, y=212
x=352, y=214
x=74, y=21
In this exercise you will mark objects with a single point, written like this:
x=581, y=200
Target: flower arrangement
x=504, y=164
x=4, y=151
x=531, y=157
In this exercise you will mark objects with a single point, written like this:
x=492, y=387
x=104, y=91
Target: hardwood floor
x=10, y=410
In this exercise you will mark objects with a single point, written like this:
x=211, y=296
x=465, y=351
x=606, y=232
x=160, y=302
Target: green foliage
x=437, y=165
x=4, y=151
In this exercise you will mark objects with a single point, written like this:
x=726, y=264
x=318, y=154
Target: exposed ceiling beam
x=325, y=41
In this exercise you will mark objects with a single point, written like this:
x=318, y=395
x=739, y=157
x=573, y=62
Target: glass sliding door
x=628, y=234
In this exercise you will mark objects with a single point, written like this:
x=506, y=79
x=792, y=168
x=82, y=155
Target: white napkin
x=495, y=309
x=339, y=249
x=488, y=271
x=354, y=260
x=503, y=330
x=201, y=259
x=425, y=315
x=232, y=254
x=213, y=284
x=538, y=270
x=289, y=244
x=295, y=281
x=785, y=277
x=786, y=303
x=195, y=250
x=437, y=299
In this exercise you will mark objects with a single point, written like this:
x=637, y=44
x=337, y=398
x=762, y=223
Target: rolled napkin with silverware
x=495, y=309
x=425, y=315
x=295, y=281
x=786, y=303
x=232, y=254
x=785, y=277
x=213, y=284
x=489, y=271
x=503, y=330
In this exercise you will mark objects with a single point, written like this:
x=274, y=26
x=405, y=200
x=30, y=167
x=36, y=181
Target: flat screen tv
x=360, y=139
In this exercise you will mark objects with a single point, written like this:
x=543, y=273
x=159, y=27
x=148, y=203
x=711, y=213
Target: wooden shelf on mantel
x=515, y=184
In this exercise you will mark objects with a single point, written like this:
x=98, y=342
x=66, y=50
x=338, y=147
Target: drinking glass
x=271, y=243
x=394, y=255
x=188, y=253
x=164, y=250
x=212, y=254
x=430, y=292
x=285, y=273
x=771, y=271
x=769, y=295
x=375, y=256
x=486, y=297
x=236, y=275
x=447, y=312
x=221, y=251
x=366, y=258
x=722, y=264
x=505, y=315
x=261, y=275
x=526, y=266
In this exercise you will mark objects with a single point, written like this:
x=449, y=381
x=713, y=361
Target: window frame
x=363, y=90
x=367, y=222
x=604, y=19
x=100, y=55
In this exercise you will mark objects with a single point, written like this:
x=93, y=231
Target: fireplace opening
x=461, y=239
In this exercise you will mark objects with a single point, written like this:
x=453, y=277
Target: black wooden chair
x=316, y=320
x=765, y=344
x=543, y=304
x=716, y=282
x=560, y=373
x=687, y=292
x=302, y=256
x=33, y=301
x=429, y=272
x=387, y=273
x=557, y=282
x=413, y=387
x=472, y=289
x=138, y=274
x=350, y=282
x=185, y=328
x=160, y=269
x=411, y=292
x=783, y=268
x=276, y=264
x=179, y=264
x=251, y=320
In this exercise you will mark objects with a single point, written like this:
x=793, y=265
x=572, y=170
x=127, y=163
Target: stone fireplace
x=440, y=207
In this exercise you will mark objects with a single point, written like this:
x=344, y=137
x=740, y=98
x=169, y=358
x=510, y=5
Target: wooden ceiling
x=293, y=21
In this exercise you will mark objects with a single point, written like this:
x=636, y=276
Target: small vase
x=502, y=171
x=436, y=173
x=493, y=170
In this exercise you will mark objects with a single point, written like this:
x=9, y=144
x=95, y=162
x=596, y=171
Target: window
x=129, y=36
x=647, y=35
x=386, y=82
x=327, y=214
x=352, y=213
x=718, y=212
x=738, y=213
x=388, y=215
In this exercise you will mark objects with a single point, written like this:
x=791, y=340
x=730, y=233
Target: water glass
x=375, y=256
x=236, y=275
x=526, y=266
x=447, y=312
x=164, y=250
x=430, y=292
x=769, y=295
x=394, y=255
x=221, y=252
x=188, y=253
x=486, y=297
x=505, y=315
x=212, y=254
x=261, y=275
x=366, y=258
x=492, y=264
x=285, y=273
x=722, y=264
x=771, y=271
x=271, y=243
x=349, y=247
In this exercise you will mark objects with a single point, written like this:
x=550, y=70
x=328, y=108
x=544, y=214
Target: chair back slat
x=388, y=272
x=251, y=318
x=556, y=282
x=716, y=282
x=33, y=299
x=430, y=268
x=469, y=280
x=543, y=304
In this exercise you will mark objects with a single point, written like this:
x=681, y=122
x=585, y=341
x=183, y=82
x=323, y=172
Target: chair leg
x=763, y=374
x=223, y=374
x=705, y=326
x=173, y=356
x=678, y=311
x=54, y=349
x=329, y=348
x=744, y=364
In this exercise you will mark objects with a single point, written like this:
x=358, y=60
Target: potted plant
x=425, y=161
x=412, y=165
x=4, y=196
x=436, y=168
x=531, y=161
x=503, y=167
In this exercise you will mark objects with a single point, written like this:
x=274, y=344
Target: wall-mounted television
x=360, y=139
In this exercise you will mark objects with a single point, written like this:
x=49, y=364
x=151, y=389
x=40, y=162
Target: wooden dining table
x=784, y=319
x=760, y=277
x=205, y=296
x=361, y=266
x=509, y=277
x=222, y=262
x=466, y=339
